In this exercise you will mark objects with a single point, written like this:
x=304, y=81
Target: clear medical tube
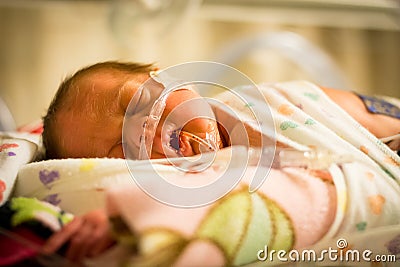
x=262, y=157
x=288, y=157
x=205, y=144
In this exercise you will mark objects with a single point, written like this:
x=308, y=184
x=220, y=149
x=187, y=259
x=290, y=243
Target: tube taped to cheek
x=168, y=118
x=190, y=128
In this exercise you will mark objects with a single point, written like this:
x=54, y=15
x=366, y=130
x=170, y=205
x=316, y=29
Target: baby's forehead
x=103, y=79
x=100, y=87
x=93, y=84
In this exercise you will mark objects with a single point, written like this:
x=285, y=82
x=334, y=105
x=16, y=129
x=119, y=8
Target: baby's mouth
x=174, y=140
x=189, y=144
x=181, y=144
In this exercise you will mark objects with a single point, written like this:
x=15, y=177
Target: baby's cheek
x=202, y=127
x=206, y=128
x=157, y=151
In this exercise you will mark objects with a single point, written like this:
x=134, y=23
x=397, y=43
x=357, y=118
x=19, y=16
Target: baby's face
x=92, y=125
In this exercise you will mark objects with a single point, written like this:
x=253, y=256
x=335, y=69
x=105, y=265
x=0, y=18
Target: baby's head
x=86, y=116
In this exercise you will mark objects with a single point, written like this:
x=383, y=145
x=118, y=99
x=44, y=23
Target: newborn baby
x=86, y=116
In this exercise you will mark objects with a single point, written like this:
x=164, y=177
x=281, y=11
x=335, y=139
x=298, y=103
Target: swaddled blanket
x=239, y=222
x=293, y=209
x=366, y=211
